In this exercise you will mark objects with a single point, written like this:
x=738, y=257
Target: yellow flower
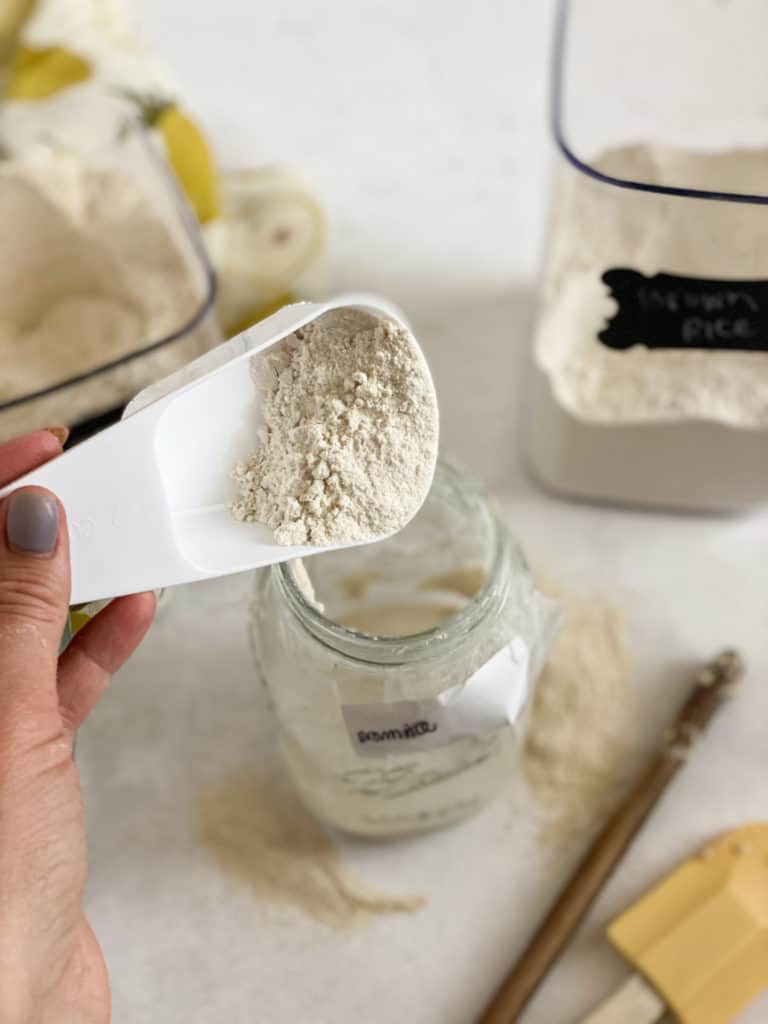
x=187, y=152
x=36, y=73
x=13, y=16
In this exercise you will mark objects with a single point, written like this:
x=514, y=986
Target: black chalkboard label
x=667, y=311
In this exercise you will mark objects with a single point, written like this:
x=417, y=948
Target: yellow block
x=701, y=936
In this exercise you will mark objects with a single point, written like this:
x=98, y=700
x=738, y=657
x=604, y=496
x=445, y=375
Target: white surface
x=423, y=127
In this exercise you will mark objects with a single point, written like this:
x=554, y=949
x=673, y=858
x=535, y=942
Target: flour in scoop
x=349, y=440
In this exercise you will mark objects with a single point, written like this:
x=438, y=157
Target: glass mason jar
x=399, y=686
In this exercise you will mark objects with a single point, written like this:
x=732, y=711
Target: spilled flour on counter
x=350, y=433
x=578, y=747
x=260, y=833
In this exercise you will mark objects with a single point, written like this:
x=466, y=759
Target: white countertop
x=423, y=127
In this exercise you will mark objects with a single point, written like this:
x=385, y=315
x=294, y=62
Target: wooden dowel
x=713, y=685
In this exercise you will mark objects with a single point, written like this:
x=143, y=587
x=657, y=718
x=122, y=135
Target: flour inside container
x=705, y=251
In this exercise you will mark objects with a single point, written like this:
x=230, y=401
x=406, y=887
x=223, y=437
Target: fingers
x=34, y=591
x=24, y=454
x=98, y=650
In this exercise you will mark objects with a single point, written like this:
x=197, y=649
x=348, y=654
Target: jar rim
x=440, y=639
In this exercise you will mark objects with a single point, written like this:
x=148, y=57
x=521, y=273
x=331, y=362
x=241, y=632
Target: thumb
x=34, y=591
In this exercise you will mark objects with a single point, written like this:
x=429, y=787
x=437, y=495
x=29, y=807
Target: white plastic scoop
x=148, y=500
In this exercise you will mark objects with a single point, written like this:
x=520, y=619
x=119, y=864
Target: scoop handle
x=120, y=531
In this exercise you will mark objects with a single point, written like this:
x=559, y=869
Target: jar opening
x=400, y=599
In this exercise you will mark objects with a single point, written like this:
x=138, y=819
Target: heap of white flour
x=350, y=433
x=597, y=227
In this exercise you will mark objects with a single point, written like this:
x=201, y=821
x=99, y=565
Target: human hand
x=51, y=967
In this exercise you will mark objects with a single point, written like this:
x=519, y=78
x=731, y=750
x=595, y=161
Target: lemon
x=36, y=73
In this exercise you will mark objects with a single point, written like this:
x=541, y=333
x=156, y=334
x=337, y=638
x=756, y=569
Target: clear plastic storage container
x=98, y=385
x=650, y=360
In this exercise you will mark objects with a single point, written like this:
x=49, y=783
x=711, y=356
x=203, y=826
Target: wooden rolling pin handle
x=713, y=685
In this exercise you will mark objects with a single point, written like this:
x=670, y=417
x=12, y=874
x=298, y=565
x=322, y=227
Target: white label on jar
x=490, y=699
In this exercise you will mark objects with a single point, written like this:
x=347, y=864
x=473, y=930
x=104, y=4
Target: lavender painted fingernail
x=32, y=523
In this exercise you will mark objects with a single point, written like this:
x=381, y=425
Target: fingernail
x=32, y=523
x=60, y=433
